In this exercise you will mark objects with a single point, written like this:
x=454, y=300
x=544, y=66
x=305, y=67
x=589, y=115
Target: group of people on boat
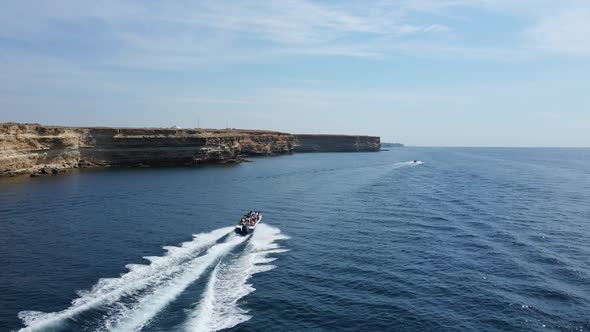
x=250, y=218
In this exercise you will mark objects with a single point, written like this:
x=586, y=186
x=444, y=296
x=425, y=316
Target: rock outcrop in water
x=37, y=149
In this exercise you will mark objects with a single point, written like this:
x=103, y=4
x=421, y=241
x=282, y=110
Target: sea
x=467, y=239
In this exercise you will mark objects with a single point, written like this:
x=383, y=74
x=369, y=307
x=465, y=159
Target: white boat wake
x=408, y=163
x=131, y=301
x=140, y=313
x=218, y=308
x=110, y=290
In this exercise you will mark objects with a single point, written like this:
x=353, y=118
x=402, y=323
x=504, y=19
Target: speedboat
x=247, y=229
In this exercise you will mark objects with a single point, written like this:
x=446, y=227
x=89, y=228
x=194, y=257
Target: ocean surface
x=473, y=239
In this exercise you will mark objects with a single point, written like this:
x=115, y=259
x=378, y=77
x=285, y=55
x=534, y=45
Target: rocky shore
x=39, y=150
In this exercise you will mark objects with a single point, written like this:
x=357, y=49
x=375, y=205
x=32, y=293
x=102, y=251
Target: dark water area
x=492, y=239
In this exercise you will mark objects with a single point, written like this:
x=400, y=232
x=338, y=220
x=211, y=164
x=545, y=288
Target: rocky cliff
x=336, y=143
x=37, y=149
x=47, y=149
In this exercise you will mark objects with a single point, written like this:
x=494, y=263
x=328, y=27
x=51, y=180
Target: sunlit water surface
x=472, y=239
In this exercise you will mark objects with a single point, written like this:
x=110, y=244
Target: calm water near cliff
x=473, y=239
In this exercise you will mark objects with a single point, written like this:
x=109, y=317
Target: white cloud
x=194, y=31
x=191, y=35
x=566, y=32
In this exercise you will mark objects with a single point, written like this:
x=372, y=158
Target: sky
x=421, y=72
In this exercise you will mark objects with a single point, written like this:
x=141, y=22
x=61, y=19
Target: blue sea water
x=473, y=239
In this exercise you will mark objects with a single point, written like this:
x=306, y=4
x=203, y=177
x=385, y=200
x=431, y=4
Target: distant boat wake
x=132, y=301
x=408, y=163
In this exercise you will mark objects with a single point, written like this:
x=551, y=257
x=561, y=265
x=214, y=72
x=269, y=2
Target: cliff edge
x=38, y=149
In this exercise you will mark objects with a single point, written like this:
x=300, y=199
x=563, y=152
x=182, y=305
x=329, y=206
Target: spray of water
x=138, y=315
x=218, y=307
x=140, y=277
x=131, y=301
x=407, y=163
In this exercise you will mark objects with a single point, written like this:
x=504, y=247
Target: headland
x=39, y=149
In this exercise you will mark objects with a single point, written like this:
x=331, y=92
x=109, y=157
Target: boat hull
x=245, y=230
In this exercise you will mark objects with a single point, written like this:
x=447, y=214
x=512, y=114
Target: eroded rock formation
x=38, y=149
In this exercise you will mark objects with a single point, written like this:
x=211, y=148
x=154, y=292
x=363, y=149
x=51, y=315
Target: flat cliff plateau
x=37, y=149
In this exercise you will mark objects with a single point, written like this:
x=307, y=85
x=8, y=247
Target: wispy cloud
x=199, y=35
x=193, y=31
x=164, y=35
x=565, y=32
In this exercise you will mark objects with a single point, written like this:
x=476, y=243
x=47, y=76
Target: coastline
x=38, y=150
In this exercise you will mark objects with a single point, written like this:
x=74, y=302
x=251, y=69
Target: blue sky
x=423, y=72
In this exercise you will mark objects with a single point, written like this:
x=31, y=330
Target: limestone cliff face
x=44, y=149
x=37, y=149
x=22, y=147
x=336, y=143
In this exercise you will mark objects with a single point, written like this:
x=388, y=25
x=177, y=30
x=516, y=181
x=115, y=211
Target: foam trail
x=207, y=305
x=139, y=277
x=228, y=283
x=150, y=304
x=407, y=163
